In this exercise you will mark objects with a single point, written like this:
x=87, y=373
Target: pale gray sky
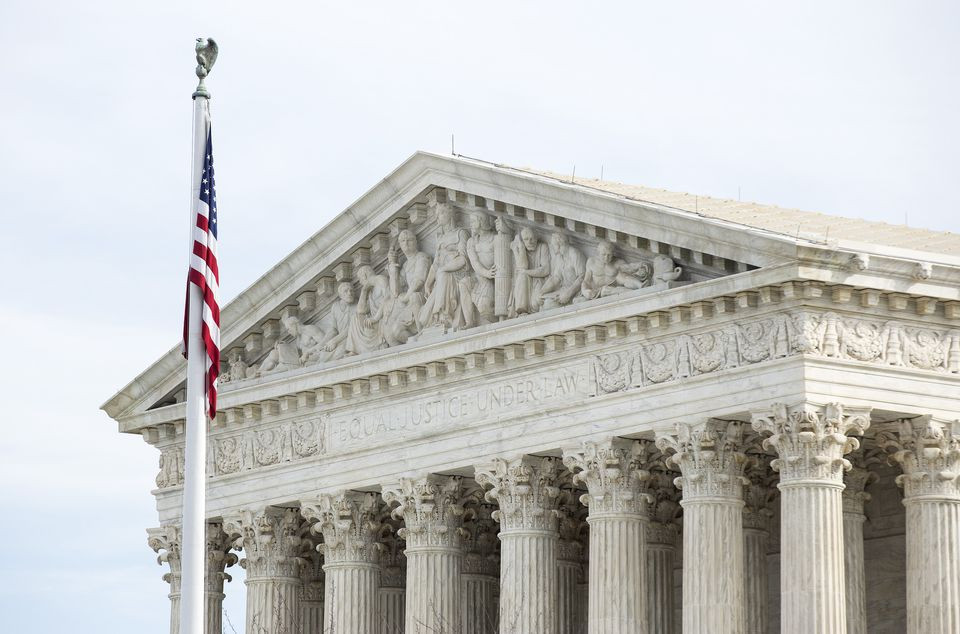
x=847, y=108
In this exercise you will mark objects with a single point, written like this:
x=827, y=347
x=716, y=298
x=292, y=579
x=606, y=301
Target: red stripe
x=213, y=352
x=203, y=223
x=196, y=277
x=205, y=254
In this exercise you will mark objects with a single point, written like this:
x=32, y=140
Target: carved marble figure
x=608, y=275
x=402, y=308
x=288, y=355
x=364, y=334
x=477, y=291
x=531, y=269
x=567, y=267
x=450, y=266
x=238, y=367
x=503, y=270
x=664, y=271
x=338, y=322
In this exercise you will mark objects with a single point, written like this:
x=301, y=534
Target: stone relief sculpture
x=494, y=271
x=567, y=268
x=531, y=268
x=339, y=321
x=364, y=333
x=477, y=291
x=287, y=355
x=608, y=275
x=407, y=280
x=664, y=271
x=442, y=307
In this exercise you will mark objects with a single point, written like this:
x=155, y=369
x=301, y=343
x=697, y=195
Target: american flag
x=205, y=275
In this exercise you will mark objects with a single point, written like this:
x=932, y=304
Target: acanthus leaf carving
x=525, y=489
x=928, y=452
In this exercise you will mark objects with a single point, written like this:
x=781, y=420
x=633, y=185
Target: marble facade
x=486, y=400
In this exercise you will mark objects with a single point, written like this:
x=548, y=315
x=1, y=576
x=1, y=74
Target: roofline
x=422, y=170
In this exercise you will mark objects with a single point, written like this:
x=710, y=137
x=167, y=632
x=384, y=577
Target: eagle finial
x=206, y=56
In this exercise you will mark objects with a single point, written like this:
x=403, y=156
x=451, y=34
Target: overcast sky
x=842, y=107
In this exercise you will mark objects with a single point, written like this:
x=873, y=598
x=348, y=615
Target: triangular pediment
x=444, y=245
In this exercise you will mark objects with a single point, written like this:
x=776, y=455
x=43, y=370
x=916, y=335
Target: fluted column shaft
x=174, y=596
x=351, y=598
x=568, y=576
x=618, y=514
x=481, y=570
x=349, y=525
x=711, y=463
x=392, y=604
x=526, y=491
x=712, y=565
x=479, y=603
x=853, y=563
x=756, y=543
x=661, y=559
x=811, y=441
x=430, y=508
x=928, y=451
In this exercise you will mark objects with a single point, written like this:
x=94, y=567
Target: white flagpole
x=193, y=530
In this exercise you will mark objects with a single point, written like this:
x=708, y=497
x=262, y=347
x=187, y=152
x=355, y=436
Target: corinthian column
x=711, y=464
x=311, y=589
x=662, y=534
x=166, y=542
x=271, y=545
x=527, y=493
x=928, y=451
x=348, y=523
x=811, y=441
x=756, y=543
x=569, y=567
x=430, y=508
x=481, y=570
x=854, y=497
x=393, y=577
x=618, y=511
x=219, y=557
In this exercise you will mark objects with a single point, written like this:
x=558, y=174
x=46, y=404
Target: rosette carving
x=811, y=440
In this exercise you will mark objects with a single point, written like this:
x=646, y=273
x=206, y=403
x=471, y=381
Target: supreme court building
x=485, y=399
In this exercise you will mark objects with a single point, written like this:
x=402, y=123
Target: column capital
x=348, y=521
x=570, y=522
x=166, y=542
x=663, y=528
x=219, y=557
x=393, y=561
x=311, y=569
x=858, y=478
x=928, y=451
x=270, y=538
x=811, y=439
x=430, y=506
x=526, y=490
x=759, y=494
x=612, y=471
x=709, y=457
x=479, y=540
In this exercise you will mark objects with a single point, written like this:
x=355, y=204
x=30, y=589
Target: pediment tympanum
x=447, y=263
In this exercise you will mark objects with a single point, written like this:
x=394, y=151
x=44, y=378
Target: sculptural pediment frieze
x=451, y=263
x=448, y=262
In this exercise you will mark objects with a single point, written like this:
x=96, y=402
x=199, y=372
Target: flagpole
x=193, y=530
